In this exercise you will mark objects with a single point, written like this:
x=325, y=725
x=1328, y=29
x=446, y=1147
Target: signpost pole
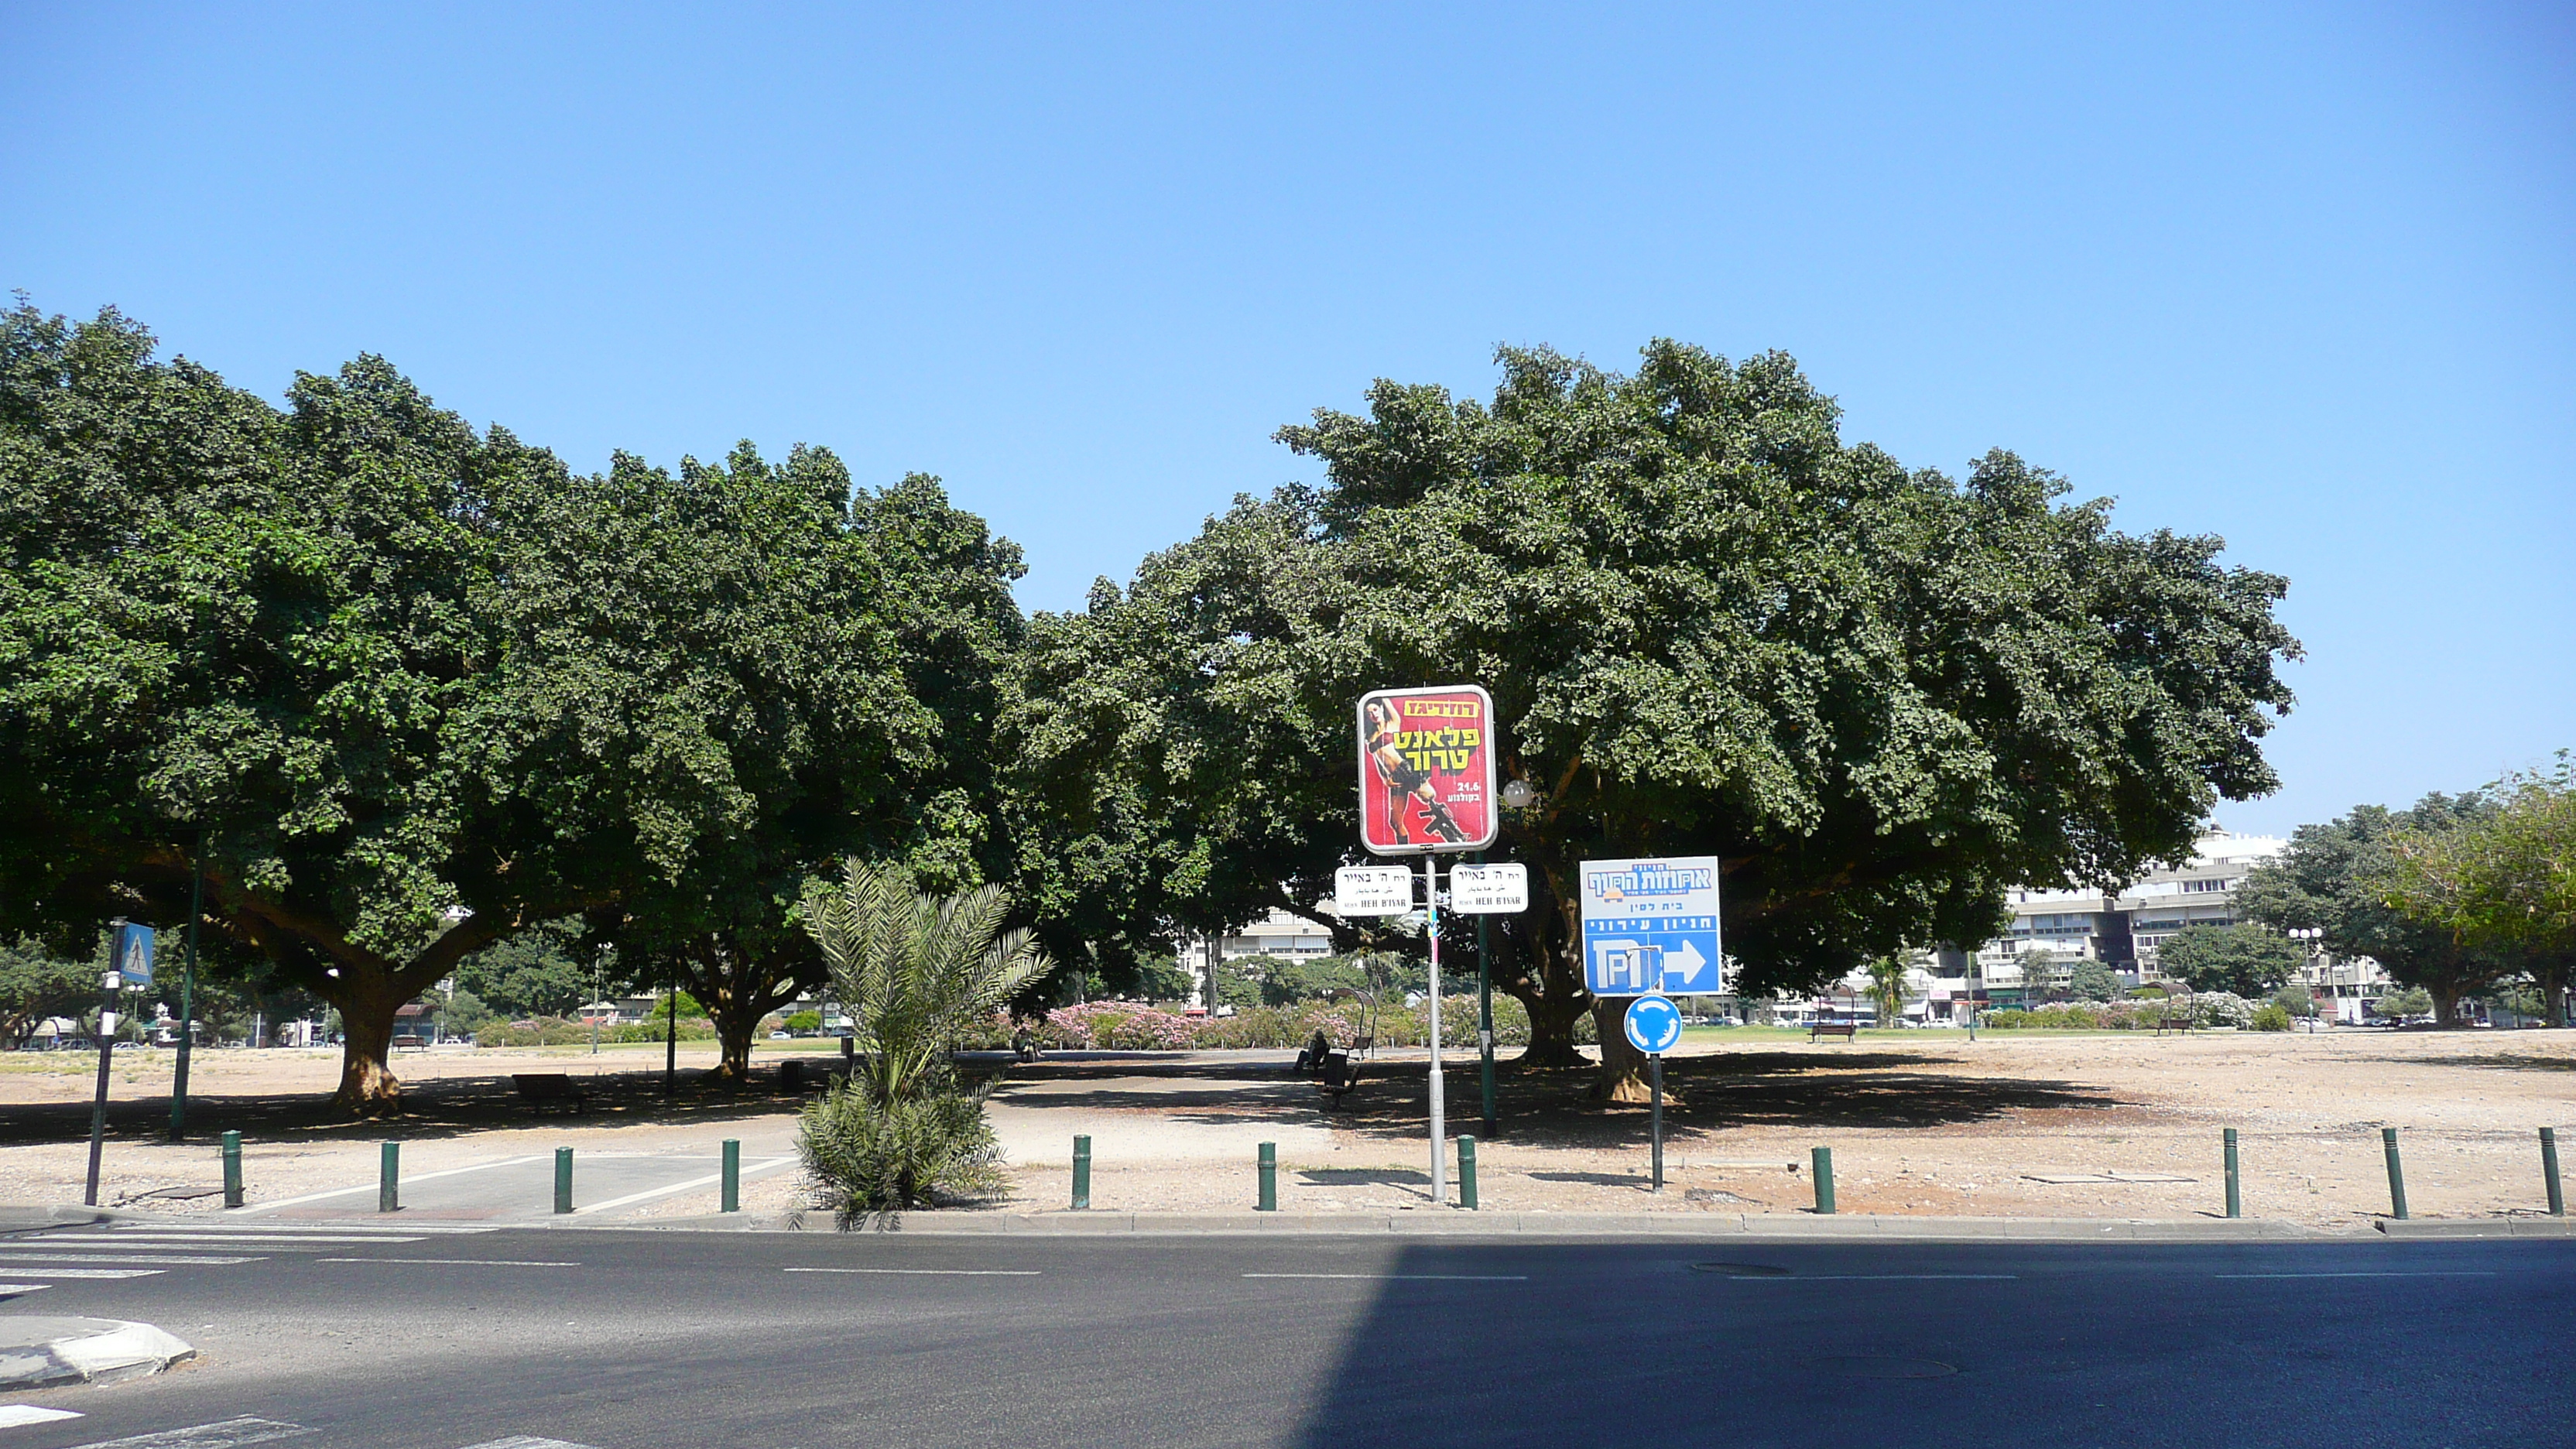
x=1485, y=1017
x=1655, y=1075
x=106, y=1046
x=1439, y=1127
x=188, y=994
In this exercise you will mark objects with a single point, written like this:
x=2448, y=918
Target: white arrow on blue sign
x=1651, y=925
x=1653, y=1024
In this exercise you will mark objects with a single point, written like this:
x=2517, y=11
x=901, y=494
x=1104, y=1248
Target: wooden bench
x=411, y=1043
x=550, y=1089
x=2172, y=1023
x=1341, y=1077
x=1847, y=1030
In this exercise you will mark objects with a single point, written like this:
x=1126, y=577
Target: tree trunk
x=1551, y=1045
x=1623, y=1067
x=368, y=1088
x=2446, y=1001
x=737, y=1022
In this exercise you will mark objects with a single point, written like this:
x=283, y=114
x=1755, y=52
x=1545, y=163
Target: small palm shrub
x=867, y=1156
x=919, y=976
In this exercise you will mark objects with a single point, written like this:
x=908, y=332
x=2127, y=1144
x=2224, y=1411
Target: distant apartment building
x=2052, y=930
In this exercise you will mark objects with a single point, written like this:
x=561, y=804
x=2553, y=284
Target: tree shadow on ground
x=2494, y=1061
x=1351, y=1176
x=433, y=1108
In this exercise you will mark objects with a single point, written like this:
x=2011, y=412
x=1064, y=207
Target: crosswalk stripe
x=8, y=1260
x=8, y=1288
x=70, y=1273
x=228, y=1434
x=527, y=1441
x=14, y=1415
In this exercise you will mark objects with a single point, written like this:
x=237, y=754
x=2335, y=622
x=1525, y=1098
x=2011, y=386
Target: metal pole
x=1655, y=1077
x=106, y=1048
x=188, y=995
x=232, y=1170
x=1081, y=1173
x=389, y=1178
x=671, y=1046
x=2549, y=1171
x=2396, y=1174
x=731, y=1199
x=1484, y=1023
x=1439, y=1127
x=2235, y=1194
x=563, y=1179
x=1824, y=1162
x=1467, y=1172
x=1269, y=1202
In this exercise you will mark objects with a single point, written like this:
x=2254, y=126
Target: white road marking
x=457, y=1262
x=8, y=1288
x=1876, y=1278
x=1410, y=1277
x=932, y=1272
x=8, y=1260
x=13, y=1415
x=527, y=1441
x=709, y=1180
x=2460, y=1274
x=274, y=1245
x=229, y=1434
x=270, y=1207
x=71, y=1273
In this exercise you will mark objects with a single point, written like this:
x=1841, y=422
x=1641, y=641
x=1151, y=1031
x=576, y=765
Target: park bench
x=1821, y=1026
x=1341, y=1076
x=411, y=1044
x=2172, y=1023
x=550, y=1088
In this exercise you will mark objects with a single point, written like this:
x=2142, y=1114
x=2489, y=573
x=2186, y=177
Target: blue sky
x=2303, y=276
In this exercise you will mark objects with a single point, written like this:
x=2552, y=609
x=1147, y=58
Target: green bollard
x=232, y=1169
x=731, y=1199
x=563, y=1179
x=1269, y=1178
x=2396, y=1175
x=2235, y=1190
x=1824, y=1160
x=1081, y=1173
x=2549, y=1171
x=389, y=1178
x=1467, y=1172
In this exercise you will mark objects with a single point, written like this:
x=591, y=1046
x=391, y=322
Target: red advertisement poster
x=1427, y=770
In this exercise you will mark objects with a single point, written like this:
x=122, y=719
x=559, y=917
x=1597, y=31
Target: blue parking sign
x=1653, y=1024
x=1651, y=925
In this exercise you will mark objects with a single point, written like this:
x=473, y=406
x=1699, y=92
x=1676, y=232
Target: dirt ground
x=1920, y=1122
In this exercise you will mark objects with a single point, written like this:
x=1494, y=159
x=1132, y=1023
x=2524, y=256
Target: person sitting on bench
x=1311, y=1058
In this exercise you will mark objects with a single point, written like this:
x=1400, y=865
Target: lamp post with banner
x=1426, y=777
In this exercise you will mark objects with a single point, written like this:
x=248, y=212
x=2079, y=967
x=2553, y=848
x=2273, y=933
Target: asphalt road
x=640, y=1340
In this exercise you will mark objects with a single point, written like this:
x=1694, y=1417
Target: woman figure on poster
x=1402, y=780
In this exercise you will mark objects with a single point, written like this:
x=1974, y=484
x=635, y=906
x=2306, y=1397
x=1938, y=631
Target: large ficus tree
x=404, y=689
x=1710, y=626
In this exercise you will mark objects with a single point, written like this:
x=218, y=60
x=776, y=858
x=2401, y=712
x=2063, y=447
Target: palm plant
x=1887, y=987
x=913, y=972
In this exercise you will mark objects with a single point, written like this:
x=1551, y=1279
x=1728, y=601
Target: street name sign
x=1489, y=890
x=1372, y=890
x=1651, y=925
x=1653, y=1024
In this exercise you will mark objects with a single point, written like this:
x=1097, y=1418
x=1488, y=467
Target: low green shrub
x=2270, y=1016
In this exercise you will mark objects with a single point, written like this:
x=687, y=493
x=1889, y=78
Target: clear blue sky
x=2303, y=276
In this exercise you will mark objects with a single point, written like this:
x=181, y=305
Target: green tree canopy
x=1709, y=625
x=2337, y=877
x=2504, y=883
x=2251, y=961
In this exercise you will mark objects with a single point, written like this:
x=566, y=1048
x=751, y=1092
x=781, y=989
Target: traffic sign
x=134, y=954
x=1489, y=890
x=1653, y=1024
x=1651, y=925
x=1372, y=890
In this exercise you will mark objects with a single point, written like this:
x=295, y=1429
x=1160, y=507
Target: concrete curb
x=19, y=1218
x=35, y=1352
x=2517, y=1227
x=1455, y=1224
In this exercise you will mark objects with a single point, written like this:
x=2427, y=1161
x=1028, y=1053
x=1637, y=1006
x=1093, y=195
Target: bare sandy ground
x=1919, y=1123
